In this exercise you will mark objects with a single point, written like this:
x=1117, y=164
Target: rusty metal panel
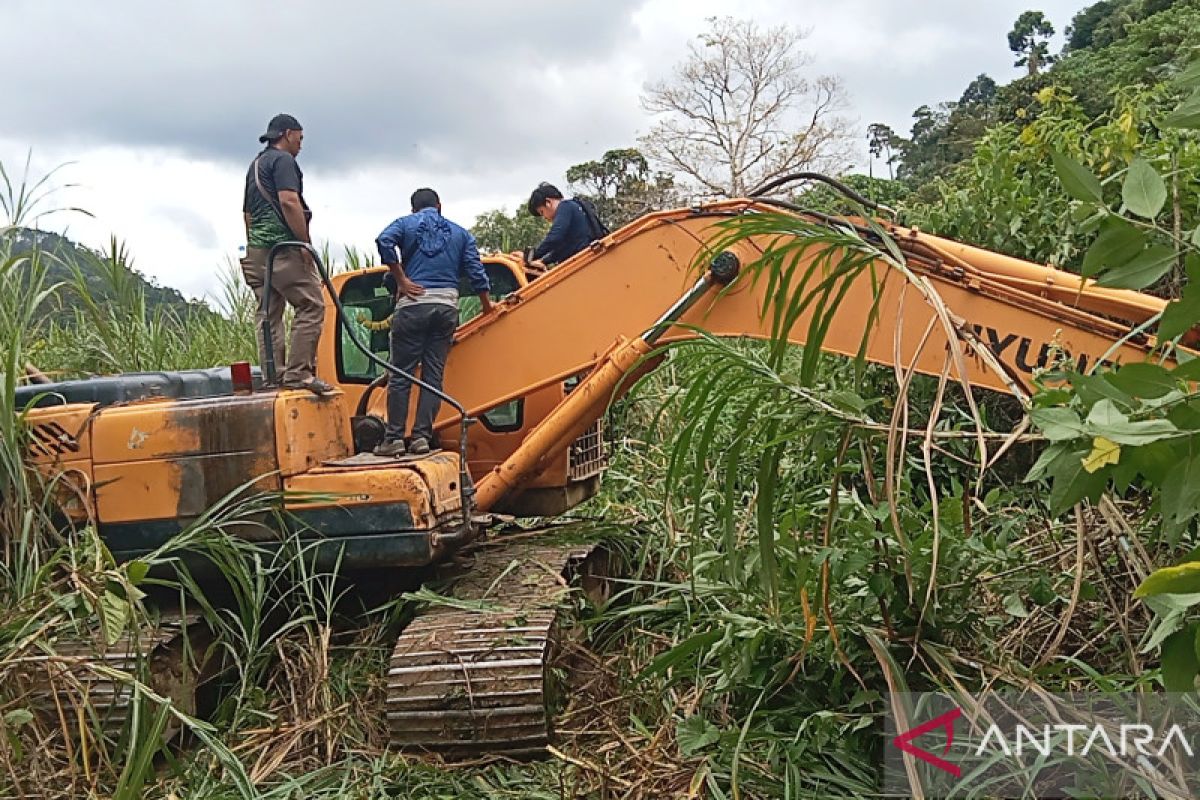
x=310, y=430
x=157, y=429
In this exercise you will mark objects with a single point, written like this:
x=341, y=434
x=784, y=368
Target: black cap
x=280, y=124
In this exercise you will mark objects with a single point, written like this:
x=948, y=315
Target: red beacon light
x=243, y=382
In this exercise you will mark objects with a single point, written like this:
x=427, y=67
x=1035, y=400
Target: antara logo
x=946, y=721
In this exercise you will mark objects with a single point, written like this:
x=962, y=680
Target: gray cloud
x=452, y=84
x=198, y=230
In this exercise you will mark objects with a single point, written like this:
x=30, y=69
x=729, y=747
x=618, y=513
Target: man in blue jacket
x=570, y=229
x=434, y=254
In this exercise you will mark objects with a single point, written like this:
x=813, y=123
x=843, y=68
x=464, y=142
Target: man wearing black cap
x=275, y=211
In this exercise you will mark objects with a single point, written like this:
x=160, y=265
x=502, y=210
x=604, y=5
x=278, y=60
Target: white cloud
x=160, y=104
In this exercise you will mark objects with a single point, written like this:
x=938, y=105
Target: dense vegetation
x=806, y=533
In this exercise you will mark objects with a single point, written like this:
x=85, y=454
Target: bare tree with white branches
x=740, y=111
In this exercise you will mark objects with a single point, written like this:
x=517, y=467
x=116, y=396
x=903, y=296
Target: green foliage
x=1030, y=40
x=819, y=197
x=1136, y=427
x=497, y=232
x=622, y=186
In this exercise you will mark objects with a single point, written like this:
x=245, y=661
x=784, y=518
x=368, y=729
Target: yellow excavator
x=526, y=391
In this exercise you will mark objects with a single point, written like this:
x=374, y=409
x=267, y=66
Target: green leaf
x=1187, y=115
x=1071, y=482
x=1180, y=315
x=1150, y=265
x=1106, y=420
x=1144, y=191
x=1179, y=579
x=137, y=570
x=682, y=650
x=114, y=614
x=1117, y=243
x=1181, y=494
x=1189, y=371
x=1059, y=424
x=1014, y=606
x=1179, y=663
x=1094, y=388
x=1142, y=380
x=695, y=734
x=1190, y=76
x=1041, y=467
x=1076, y=179
x=18, y=717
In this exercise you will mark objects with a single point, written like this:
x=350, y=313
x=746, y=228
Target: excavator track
x=72, y=678
x=471, y=677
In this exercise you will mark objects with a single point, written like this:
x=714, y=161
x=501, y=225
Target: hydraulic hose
x=466, y=489
x=832, y=183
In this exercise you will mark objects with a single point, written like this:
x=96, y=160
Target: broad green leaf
x=1190, y=77
x=1117, y=243
x=1142, y=380
x=1196, y=237
x=695, y=734
x=1149, y=265
x=1181, y=494
x=1180, y=579
x=1189, y=371
x=136, y=570
x=1015, y=606
x=1094, y=388
x=1076, y=179
x=1144, y=191
x=1071, y=482
x=18, y=717
x=1106, y=420
x=1103, y=453
x=1041, y=467
x=1179, y=663
x=114, y=614
x=1187, y=115
x=1059, y=424
x=1180, y=315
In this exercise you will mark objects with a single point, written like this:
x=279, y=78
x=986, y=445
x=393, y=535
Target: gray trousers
x=421, y=334
x=294, y=282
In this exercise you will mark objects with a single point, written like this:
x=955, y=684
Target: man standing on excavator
x=573, y=224
x=434, y=254
x=274, y=210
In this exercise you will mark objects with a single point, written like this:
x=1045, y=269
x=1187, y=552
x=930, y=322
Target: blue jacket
x=434, y=251
x=569, y=234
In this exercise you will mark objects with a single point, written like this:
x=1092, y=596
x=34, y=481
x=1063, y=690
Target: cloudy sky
x=154, y=107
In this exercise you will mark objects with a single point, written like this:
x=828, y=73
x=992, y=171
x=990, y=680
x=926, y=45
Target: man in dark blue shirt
x=434, y=254
x=570, y=230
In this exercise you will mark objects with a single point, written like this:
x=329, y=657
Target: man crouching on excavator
x=434, y=254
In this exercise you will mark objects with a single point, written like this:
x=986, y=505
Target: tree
x=881, y=140
x=740, y=111
x=498, y=232
x=1030, y=39
x=622, y=186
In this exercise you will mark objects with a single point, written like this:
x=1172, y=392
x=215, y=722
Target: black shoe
x=315, y=385
x=418, y=446
x=391, y=449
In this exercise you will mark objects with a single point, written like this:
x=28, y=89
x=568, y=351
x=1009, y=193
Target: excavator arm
x=934, y=306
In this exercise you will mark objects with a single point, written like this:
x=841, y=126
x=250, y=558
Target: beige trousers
x=294, y=281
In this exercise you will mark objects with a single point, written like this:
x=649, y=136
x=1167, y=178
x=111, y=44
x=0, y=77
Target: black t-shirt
x=278, y=171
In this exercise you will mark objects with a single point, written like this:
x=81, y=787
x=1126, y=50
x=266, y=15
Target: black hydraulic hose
x=466, y=489
x=832, y=183
x=365, y=400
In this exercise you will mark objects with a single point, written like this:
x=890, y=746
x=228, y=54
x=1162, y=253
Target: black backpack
x=598, y=229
